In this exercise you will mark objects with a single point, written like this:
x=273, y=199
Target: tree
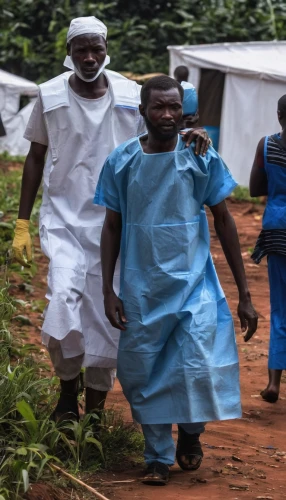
x=33, y=32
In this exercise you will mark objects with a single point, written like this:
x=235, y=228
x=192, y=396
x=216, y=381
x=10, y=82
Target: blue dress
x=274, y=218
x=177, y=359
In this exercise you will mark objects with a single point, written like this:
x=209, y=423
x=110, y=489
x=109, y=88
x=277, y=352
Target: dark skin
x=31, y=180
x=258, y=187
x=163, y=117
x=163, y=114
x=88, y=53
x=258, y=178
x=190, y=120
x=200, y=136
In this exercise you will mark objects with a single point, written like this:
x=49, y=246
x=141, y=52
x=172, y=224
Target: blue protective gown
x=177, y=359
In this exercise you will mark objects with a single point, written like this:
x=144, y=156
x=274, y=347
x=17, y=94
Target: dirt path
x=244, y=459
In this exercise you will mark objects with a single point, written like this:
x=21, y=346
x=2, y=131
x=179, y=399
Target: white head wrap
x=84, y=26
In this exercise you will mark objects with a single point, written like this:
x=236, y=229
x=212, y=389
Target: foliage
x=5, y=157
x=22, y=451
x=241, y=193
x=10, y=183
x=32, y=40
x=29, y=440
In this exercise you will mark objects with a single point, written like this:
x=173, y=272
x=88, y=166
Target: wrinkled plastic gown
x=177, y=358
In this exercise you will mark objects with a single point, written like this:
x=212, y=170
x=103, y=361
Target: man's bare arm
x=258, y=178
x=226, y=230
x=109, y=248
x=32, y=176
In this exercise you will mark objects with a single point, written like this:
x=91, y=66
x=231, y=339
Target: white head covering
x=190, y=101
x=84, y=26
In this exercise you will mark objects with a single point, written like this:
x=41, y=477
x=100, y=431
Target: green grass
x=6, y=157
x=29, y=440
x=10, y=186
x=241, y=193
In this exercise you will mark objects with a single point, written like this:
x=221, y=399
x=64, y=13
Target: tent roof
x=267, y=60
x=19, y=84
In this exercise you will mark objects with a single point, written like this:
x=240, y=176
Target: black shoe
x=66, y=409
x=189, y=452
x=156, y=474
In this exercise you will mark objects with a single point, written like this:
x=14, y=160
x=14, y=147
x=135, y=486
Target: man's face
x=88, y=53
x=163, y=113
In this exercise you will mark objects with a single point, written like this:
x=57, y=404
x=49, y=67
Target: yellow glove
x=22, y=242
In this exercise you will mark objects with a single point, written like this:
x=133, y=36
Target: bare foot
x=270, y=394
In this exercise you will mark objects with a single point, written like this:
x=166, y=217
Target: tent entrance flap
x=2, y=128
x=210, y=101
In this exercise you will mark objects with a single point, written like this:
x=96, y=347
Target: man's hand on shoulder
x=114, y=310
x=248, y=317
x=200, y=136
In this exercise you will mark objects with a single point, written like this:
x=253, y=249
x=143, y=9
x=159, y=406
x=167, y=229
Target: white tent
x=15, y=121
x=254, y=76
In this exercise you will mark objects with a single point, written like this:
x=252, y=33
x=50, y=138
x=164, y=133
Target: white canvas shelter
x=15, y=121
x=255, y=78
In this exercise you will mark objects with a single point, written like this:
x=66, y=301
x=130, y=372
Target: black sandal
x=66, y=409
x=157, y=474
x=189, y=452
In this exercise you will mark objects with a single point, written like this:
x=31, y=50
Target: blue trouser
x=277, y=282
x=159, y=444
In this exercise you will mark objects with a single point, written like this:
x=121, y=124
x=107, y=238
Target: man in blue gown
x=177, y=359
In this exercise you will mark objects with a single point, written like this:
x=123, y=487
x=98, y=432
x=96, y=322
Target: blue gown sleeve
x=106, y=193
x=220, y=182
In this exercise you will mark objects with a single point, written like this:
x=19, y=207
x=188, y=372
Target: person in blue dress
x=190, y=106
x=177, y=360
x=268, y=178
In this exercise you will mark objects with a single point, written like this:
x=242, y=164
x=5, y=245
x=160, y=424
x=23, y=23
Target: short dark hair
x=162, y=83
x=181, y=73
x=282, y=104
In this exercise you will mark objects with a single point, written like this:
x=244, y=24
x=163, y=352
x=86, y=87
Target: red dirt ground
x=244, y=459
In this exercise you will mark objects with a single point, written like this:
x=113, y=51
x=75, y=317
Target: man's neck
x=151, y=144
x=89, y=90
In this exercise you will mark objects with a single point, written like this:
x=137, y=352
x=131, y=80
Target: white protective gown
x=81, y=134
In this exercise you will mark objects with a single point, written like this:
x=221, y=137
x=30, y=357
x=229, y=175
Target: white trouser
x=100, y=379
x=75, y=315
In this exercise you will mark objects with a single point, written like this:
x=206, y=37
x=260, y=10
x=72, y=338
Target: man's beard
x=160, y=135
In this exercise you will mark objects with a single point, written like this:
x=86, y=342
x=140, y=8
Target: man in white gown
x=78, y=120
